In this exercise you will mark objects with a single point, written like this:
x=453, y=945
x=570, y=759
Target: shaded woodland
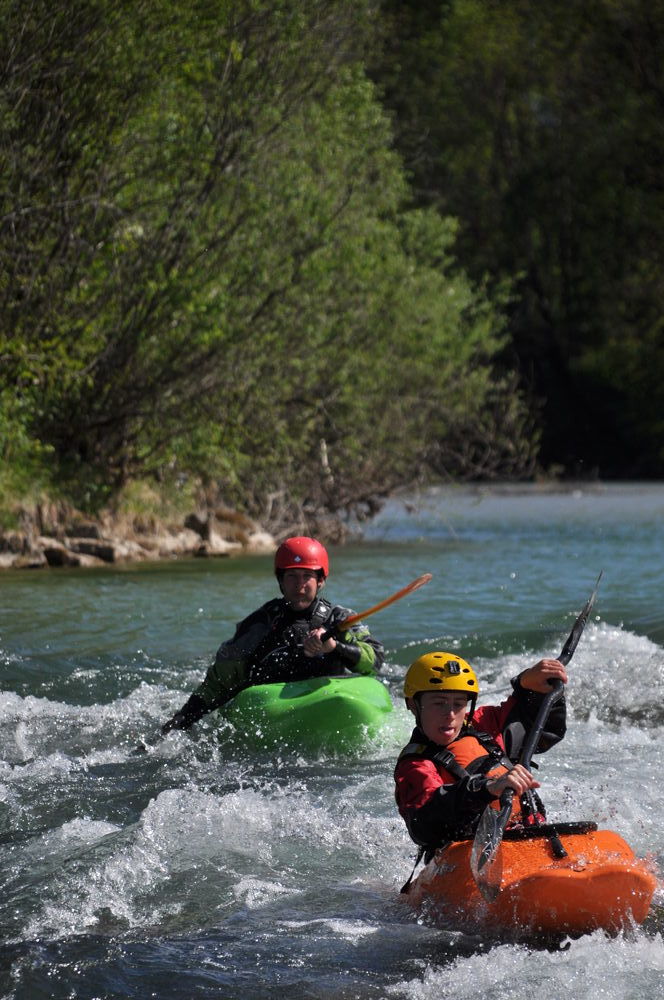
x=289, y=256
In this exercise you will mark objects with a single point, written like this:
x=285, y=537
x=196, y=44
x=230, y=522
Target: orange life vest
x=473, y=752
x=467, y=749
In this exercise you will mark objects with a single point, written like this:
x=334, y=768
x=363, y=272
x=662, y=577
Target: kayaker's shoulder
x=337, y=612
x=268, y=611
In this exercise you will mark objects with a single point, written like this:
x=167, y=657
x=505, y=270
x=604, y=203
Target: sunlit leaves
x=215, y=273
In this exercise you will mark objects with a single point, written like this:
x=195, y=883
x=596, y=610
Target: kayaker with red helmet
x=284, y=640
x=460, y=759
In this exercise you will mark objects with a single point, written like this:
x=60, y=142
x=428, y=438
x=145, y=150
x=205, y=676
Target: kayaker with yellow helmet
x=284, y=640
x=460, y=757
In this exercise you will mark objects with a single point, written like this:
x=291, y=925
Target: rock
x=168, y=545
x=56, y=554
x=261, y=543
x=14, y=542
x=102, y=549
x=215, y=545
x=127, y=550
x=200, y=523
x=34, y=560
x=83, y=529
x=232, y=525
x=64, y=557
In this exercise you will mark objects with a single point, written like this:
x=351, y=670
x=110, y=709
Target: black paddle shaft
x=538, y=725
x=489, y=833
x=566, y=654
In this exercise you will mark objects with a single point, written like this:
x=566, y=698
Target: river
x=202, y=869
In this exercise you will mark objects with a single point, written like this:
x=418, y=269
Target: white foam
x=348, y=930
x=592, y=966
x=256, y=893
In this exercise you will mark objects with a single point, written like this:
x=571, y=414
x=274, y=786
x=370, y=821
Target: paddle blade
x=408, y=589
x=485, y=856
x=578, y=627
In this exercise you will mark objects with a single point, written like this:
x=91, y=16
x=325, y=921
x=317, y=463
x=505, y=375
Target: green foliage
x=25, y=463
x=212, y=274
x=538, y=125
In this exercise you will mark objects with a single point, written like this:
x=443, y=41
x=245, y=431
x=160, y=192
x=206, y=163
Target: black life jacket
x=279, y=656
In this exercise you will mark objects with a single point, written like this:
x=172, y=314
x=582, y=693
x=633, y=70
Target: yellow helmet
x=440, y=672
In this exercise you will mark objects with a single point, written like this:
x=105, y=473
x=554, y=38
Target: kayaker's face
x=442, y=714
x=299, y=587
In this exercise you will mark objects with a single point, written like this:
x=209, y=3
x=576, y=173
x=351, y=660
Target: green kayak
x=334, y=712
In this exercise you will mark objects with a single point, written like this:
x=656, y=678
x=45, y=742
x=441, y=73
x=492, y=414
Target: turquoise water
x=201, y=869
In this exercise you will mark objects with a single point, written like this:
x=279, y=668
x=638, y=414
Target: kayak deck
x=599, y=884
x=320, y=711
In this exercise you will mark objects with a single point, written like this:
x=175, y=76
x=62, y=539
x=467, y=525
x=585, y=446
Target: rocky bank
x=51, y=535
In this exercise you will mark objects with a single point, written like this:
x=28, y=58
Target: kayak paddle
x=489, y=833
x=353, y=619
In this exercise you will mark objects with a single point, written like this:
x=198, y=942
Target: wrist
x=348, y=652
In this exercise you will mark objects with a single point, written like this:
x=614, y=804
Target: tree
x=538, y=126
x=212, y=273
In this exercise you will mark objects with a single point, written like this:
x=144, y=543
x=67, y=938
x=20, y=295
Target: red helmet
x=301, y=553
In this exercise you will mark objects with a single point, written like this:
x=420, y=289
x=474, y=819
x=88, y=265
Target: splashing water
x=201, y=868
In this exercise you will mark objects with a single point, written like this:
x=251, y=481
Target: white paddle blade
x=485, y=856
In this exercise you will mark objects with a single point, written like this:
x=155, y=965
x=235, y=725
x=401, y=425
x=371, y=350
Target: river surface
x=201, y=869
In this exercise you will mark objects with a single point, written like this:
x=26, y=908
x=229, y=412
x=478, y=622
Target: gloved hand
x=191, y=712
x=179, y=721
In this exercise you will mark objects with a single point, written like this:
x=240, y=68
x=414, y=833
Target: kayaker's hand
x=193, y=710
x=518, y=778
x=177, y=722
x=537, y=678
x=313, y=646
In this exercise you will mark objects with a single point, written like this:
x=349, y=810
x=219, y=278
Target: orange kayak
x=599, y=884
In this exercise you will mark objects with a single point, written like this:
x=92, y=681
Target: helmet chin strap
x=418, y=710
x=469, y=718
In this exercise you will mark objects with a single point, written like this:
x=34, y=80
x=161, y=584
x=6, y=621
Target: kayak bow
x=598, y=885
x=334, y=712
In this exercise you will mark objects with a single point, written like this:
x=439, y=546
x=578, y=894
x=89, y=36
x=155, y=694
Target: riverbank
x=55, y=535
